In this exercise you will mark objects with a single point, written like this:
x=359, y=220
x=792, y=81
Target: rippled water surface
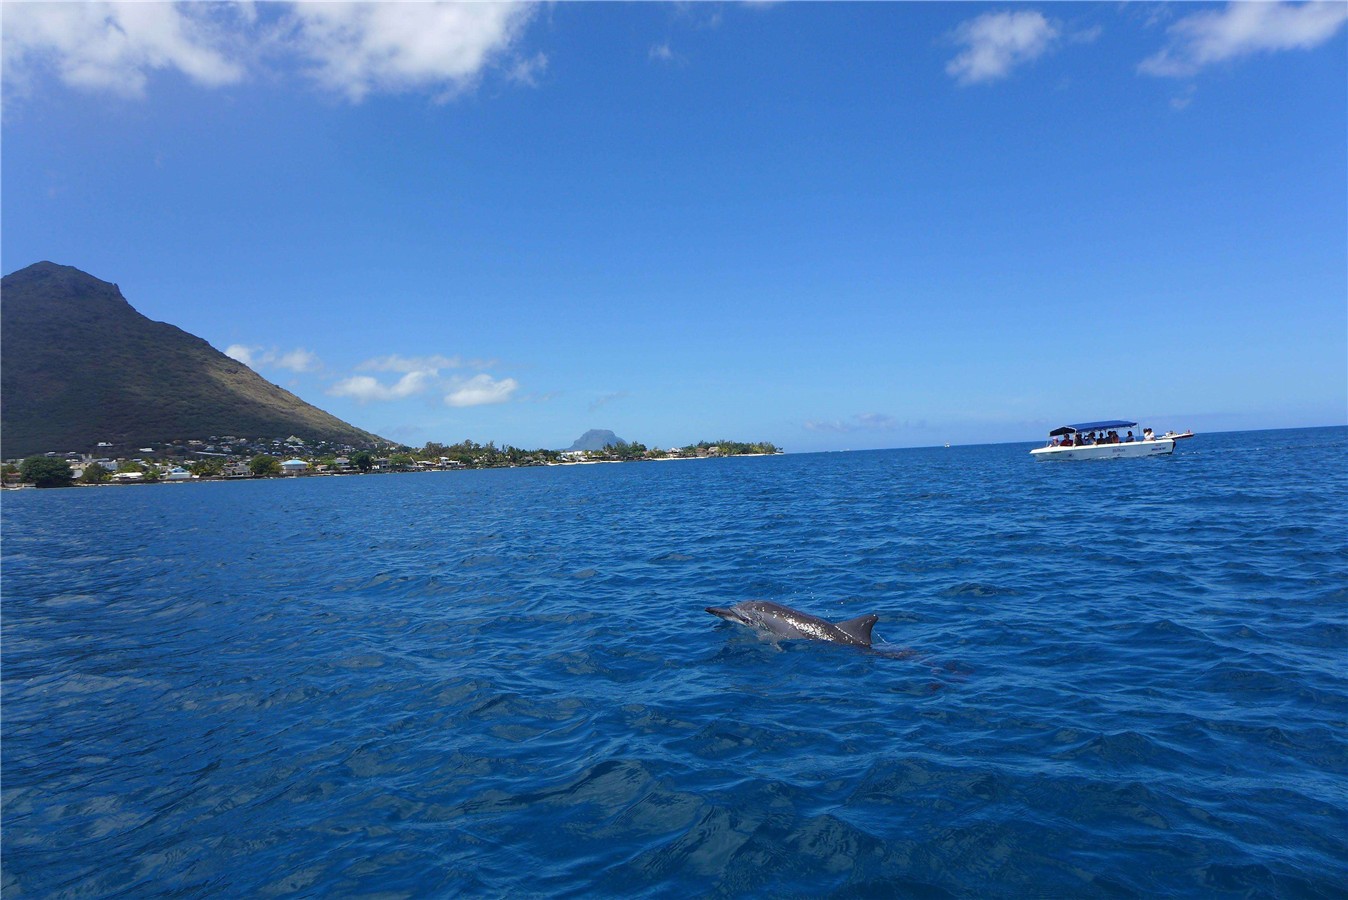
x=1114, y=678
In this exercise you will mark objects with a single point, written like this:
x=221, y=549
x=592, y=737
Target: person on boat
x=1066, y=440
x=1130, y=439
x=1148, y=434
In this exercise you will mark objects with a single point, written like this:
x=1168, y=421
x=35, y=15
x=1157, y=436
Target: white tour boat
x=1101, y=440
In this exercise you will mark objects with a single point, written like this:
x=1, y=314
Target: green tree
x=264, y=465
x=94, y=474
x=205, y=468
x=624, y=450
x=363, y=460
x=44, y=471
x=401, y=461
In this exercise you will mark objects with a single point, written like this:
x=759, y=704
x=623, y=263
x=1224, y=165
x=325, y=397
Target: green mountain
x=80, y=365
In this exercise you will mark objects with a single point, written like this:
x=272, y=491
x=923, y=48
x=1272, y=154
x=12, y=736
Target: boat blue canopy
x=1092, y=426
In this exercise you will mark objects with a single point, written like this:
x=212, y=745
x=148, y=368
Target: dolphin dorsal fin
x=859, y=628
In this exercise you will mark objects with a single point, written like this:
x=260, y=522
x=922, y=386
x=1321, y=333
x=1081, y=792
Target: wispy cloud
x=662, y=53
x=605, y=399
x=1243, y=29
x=996, y=43
x=876, y=421
x=529, y=70
x=395, y=363
x=352, y=49
x=858, y=422
x=258, y=358
x=1182, y=100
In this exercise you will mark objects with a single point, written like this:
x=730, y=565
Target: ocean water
x=1096, y=679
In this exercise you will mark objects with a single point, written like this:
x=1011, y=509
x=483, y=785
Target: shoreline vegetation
x=181, y=461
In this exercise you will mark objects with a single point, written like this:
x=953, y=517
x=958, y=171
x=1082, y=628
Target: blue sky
x=827, y=225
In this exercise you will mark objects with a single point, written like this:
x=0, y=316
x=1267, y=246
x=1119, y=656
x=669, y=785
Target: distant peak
x=596, y=439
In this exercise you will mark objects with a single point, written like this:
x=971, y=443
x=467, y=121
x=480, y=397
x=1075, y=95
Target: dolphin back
x=859, y=629
x=785, y=622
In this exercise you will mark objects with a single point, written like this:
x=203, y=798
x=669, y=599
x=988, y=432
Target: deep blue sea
x=1097, y=679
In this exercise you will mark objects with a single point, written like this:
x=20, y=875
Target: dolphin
x=785, y=622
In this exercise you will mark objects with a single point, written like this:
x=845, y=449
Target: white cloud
x=241, y=353
x=360, y=48
x=481, y=390
x=257, y=358
x=113, y=46
x=355, y=49
x=995, y=43
x=298, y=360
x=421, y=374
x=1242, y=29
x=366, y=388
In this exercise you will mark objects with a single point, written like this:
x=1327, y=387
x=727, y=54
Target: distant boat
x=1177, y=436
x=1101, y=440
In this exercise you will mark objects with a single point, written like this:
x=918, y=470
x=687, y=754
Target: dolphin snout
x=727, y=614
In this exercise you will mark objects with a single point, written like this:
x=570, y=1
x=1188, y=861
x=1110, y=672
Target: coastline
x=285, y=476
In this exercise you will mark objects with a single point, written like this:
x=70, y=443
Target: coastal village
x=229, y=457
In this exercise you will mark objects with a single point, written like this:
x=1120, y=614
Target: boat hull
x=1158, y=447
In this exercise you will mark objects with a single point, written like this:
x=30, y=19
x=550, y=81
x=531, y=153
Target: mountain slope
x=79, y=365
